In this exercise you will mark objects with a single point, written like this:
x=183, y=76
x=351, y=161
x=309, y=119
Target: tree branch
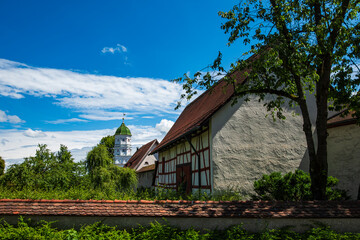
x=335, y=32
x=270, y=91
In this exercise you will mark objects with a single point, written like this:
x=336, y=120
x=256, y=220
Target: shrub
x=25, y=229
x=293, y=187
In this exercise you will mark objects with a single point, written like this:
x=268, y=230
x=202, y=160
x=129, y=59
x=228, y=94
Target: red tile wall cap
x=183, y=208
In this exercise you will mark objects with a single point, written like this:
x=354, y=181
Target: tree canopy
x=58, y=171
x=109, y=143
x=299, y=47
x=46, y=170
x=2, y=166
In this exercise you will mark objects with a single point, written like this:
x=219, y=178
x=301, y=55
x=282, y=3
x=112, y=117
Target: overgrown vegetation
x=293, y=187
x=27, y=230
x=86, y=193
x=56, y=175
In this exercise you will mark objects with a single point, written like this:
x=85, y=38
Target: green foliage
x=293, y=187
x=46, y=170
x=97, y=157
x=109, y=143
x=56, y=175
x=2, y=166
x=105, y=175
x=26, y=229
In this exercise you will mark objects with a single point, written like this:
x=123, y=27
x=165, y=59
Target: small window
x=146, y=163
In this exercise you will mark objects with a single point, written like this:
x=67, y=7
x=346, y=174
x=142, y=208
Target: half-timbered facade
x=178, y=167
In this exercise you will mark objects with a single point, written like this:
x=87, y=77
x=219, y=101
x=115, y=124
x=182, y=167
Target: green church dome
x=123, y=130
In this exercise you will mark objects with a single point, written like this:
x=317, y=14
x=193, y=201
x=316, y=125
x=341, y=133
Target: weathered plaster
x=148, y=160
x=145, y=179
x=246, y=144
x=344, y=157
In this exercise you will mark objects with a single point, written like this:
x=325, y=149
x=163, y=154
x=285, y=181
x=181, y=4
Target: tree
x=2, y=166
x=104, y=174
x=300, y=47
x=97, y=157
x=46, y=170
x=109, y=143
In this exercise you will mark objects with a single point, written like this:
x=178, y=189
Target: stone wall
x=342, y=216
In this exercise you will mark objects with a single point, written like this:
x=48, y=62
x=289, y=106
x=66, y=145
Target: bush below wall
x=26, y=230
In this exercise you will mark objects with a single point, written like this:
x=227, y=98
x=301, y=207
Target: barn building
x=236, y=143
x=144, y=163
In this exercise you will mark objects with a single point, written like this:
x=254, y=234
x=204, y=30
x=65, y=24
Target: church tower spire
x=122, y=148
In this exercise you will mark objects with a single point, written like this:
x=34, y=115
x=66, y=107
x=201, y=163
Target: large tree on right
x=299, y=47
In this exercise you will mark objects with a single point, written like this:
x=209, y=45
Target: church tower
x=122, y=148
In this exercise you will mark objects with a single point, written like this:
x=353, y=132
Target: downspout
x=199, y=166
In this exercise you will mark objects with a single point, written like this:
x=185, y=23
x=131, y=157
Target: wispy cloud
x=117, y=49
x=71, y=120
x=103, y=115
x=89, y=92
x=10, y=118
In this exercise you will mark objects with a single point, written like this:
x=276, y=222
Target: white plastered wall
x=344, y=157
x=246, y=144
x=148, y=160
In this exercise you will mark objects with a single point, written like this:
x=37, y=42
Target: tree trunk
x=319, y=168
x=309, y=140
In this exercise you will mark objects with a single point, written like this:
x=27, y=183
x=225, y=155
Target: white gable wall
x=148, y=160
x=246, y=144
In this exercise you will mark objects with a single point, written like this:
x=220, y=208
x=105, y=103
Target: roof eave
x=178, y=138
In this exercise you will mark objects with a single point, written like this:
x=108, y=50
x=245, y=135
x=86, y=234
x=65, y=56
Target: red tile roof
x=202, y=108
x=199, y=111
x=142, y=208
x=146, y=168
x=140, y=154
x=337, y=120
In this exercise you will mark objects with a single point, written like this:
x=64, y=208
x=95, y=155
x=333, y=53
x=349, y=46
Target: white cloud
x=9, y=118
x=4, y=141
x=85, y=92
x=119, y=48
x=34, y=134
x=79, y=142
x=60, y=121
x=164, y=125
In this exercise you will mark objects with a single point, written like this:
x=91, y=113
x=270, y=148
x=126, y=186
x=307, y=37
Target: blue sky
x=70, y=69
